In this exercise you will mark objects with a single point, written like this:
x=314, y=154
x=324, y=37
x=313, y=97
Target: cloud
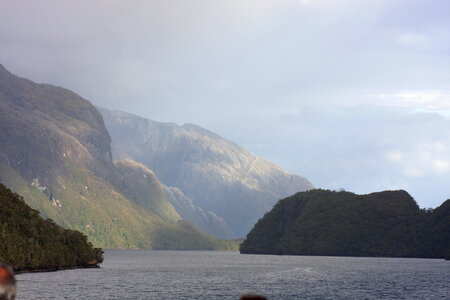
x=395, y=156
x=441, y=166
x=426, y=100
x=428, y=159
x=363, y=149
x=414, y=39
x=264, y=73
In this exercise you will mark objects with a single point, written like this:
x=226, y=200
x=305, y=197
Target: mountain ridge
x=216, y=174
x=55, y=148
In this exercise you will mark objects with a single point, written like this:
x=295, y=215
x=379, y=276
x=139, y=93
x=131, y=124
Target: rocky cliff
x=56, y=152
x=217, y=175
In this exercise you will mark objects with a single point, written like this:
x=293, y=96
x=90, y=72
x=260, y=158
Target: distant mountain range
x=217, y=180
x=56, y=152
x=321, y=222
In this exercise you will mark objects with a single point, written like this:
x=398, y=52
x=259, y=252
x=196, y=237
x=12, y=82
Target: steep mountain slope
x=208, y=221
x=141, y=185
x=321, y=222
x=216, y=174
x=55, y=148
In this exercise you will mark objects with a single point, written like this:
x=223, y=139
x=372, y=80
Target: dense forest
x=29, y=242
x=322, y=222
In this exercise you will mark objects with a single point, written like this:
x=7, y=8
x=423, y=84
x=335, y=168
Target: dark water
x=226, y=275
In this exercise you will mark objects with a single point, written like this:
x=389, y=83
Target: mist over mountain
x=56, y=152
x=207, y=221
x=217, y=175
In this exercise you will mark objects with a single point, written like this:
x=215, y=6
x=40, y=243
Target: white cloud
x=425, y=159
x=414, y=39
x=411, y=172
x=395, y=156
x=426, y=100
x=441, y=166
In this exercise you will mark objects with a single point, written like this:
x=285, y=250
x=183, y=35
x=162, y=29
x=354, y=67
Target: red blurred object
x=7, y=283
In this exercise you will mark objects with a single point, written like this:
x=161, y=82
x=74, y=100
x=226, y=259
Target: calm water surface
x=132, y=274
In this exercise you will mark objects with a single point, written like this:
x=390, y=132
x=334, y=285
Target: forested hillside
x=29, y=242
x=321, y=222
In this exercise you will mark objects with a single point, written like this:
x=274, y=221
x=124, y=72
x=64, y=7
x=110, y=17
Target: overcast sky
x=350, y=94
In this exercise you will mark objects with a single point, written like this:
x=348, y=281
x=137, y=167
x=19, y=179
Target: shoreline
x=349, y=256
x=53, y=269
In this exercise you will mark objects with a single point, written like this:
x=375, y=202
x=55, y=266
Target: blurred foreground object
x=7, y=283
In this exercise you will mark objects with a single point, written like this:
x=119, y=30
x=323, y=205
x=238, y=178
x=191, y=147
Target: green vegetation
x=29, y=242
x=216, y=174
x=142, y=186
x=321, y=222
x=107, y=217
x=56, y=152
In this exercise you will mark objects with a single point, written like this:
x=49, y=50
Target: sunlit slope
x=142, y=186
x=55, y=149
x=216, y=174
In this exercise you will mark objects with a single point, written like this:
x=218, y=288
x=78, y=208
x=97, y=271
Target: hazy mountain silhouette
x=216, y=174
x=56, y=152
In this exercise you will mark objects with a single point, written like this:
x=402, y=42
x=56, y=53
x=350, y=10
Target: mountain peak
x=54, y=146
x=4, y=71
x=198, y=129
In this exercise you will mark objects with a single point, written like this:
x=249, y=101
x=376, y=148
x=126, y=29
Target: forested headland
x=323, y=222
x=30, y=243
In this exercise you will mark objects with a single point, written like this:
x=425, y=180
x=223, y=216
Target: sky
x=350, y=94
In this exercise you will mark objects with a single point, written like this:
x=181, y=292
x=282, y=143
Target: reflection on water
x=133, y=274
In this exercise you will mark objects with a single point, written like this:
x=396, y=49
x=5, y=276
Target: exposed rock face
x=56, y=151
x=218, y=175
x=43, y=126
x=209, y=222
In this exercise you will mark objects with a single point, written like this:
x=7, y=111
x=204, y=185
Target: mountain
x=56, y=152
x=321, y=222
x=32, y=243
x=142, y=186
x=208, y=221
x=217, y=175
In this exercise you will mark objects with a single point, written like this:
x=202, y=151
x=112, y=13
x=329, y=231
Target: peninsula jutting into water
x=30, y=243
x=323, y=222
